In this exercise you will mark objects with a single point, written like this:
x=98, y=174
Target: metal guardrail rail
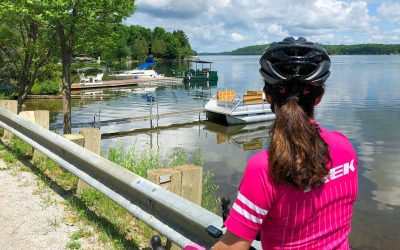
x=178, y=219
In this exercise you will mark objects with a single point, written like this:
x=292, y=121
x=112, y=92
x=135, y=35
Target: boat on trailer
x=225, y=106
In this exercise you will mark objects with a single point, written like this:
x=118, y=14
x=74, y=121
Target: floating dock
x=128, y=82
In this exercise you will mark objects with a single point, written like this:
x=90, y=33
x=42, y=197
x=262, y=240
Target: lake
x=362, y=100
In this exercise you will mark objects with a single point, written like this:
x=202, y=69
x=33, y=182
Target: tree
x=182, y=38
x=159, y=33
x=25, y=43
x=74, y=21
x=158, y=48
x=139, y=49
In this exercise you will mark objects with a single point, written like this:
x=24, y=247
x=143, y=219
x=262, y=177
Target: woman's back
x=299, y=193
x=290, y=217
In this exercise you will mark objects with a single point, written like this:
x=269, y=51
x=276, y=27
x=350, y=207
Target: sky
x=225, y=25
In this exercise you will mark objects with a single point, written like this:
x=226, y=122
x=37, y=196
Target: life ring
x=205, y=70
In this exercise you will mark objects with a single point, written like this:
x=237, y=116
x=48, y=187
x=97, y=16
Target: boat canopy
x=150, y=62
x=199, y=61
x=145, y=65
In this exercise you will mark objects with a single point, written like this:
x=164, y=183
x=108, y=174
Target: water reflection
x=247, y=136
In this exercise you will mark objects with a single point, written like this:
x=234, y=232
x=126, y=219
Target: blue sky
x=224, y=25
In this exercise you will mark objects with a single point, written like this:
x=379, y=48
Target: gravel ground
x=32, y=216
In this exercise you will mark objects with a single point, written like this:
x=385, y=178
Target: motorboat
x=201, y=72
x=225, y=106
x=144, y=70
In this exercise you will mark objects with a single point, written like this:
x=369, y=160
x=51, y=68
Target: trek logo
x=340, y=171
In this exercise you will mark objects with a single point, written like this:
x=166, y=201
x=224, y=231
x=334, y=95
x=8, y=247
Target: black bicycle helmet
x=295, y=61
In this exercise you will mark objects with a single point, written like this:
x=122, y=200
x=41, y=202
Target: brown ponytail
x=297, y=153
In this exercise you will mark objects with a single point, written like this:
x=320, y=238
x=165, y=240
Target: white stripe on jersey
x=246, y=214
x=251, y=205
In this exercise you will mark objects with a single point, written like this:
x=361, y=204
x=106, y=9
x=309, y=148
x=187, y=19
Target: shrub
x=47, y=87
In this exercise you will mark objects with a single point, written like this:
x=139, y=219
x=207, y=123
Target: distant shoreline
x=356, y=49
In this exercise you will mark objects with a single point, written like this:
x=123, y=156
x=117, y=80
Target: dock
x=128, y=82
x=128, y=119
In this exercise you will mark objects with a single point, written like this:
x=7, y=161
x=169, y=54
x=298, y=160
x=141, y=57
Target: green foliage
x=159, y=48
x=26, y=44
x=81, y=233
x=8, y=157
x=178, y=158
x=363, y=49
x=19, y=147
x=249, y=50
x=132, y=160
x=47, y=87
x=73, y=244
x=139, y=49
x=357, y=49
x=210, y=200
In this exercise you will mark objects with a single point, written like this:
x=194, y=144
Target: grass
x=73, y=244
x=81, y=233
x=113, y=224
x=54, y=222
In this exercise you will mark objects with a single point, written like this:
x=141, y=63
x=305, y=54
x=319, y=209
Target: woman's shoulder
x=258, y=162
x=336, y=139
x=260, y=157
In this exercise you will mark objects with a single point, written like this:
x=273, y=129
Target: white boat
x=144, y=70
x=137, y=74
x=250, y=108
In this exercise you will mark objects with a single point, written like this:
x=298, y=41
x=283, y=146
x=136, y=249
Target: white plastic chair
x=98, y=78
x=83, y=78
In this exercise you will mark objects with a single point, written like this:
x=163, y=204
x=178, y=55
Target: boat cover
x=150, y=62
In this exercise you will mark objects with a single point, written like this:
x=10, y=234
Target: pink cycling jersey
x=293, y=218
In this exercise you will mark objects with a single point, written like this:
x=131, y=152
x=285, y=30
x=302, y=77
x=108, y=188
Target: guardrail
x=178, y=219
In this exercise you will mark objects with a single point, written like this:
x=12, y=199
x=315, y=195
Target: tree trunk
x=66, y=89
x=21, y=90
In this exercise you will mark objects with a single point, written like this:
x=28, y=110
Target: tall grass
x=141, y=162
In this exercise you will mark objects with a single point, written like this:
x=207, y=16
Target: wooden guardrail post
x=9, y=105
x=38, y=117
x=185, y=181
x=92, y=142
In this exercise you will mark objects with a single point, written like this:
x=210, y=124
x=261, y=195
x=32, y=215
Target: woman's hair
x=297, y=153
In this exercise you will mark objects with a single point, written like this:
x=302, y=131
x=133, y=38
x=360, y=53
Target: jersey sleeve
x=254, y=199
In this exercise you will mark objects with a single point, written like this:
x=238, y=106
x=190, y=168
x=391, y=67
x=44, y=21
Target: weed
x=73, y=244
x=178, y=158
x=8, y=157
x=81, y=233
x=20, y=148
x=54, y=222
x=47, y=201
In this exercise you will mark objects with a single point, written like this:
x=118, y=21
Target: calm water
x=362, y=100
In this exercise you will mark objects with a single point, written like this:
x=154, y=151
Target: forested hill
x=134, y=42
x=357, y=49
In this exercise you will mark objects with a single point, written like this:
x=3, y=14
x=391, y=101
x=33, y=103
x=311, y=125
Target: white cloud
x=390, y=12
x=237, y=37
x=228, y=24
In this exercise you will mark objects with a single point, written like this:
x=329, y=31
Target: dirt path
x=32, y=216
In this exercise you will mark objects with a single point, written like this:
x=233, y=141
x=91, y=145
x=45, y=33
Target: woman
x=299, y=194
